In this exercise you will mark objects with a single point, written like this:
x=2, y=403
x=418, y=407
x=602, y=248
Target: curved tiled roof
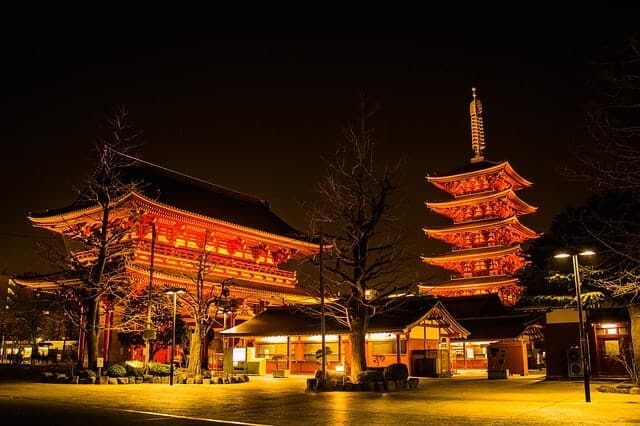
x=196, y=196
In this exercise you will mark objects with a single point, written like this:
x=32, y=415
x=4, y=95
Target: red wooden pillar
x=398, y=348
x=289, y=353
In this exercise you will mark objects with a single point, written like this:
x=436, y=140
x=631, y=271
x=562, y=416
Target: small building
x=609, y=340
x=417, y=333
x=518, y=335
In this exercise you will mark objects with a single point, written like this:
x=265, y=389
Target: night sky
x=257, y=103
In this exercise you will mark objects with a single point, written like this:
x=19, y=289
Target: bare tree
x=364, y=264
x=613, y=164
x=96, y=247
x=202, y=302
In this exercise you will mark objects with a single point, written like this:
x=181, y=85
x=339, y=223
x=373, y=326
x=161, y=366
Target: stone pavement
x=463, y=399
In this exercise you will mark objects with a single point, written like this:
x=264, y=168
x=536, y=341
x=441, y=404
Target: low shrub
x=117, y=370
x=135, y=368
x=86, y=373
x=370, y=376
x=159, y=369
x=397, y=371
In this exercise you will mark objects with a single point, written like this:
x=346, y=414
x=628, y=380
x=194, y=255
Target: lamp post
x=583, y=338
x=173, y=292
x=322, y=321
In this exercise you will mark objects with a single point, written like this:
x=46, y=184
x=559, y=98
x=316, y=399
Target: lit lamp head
x=564, y=255
x=172, y=291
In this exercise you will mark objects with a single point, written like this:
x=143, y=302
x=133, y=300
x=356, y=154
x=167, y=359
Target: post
x=322, y=323
x=149, y=332
x=173, y=339
x=583, y=340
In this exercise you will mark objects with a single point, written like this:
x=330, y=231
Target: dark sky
x=256, y=103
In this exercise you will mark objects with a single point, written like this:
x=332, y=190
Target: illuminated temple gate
x=182, y=217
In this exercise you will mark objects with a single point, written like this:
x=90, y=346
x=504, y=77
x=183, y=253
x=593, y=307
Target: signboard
x=99, y=362
x=58, y=357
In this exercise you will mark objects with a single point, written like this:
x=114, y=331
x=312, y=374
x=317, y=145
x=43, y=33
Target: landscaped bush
x=159, y=369
x=396, y=372
x=370, y=376
x=117, y=370
x=135, y=368
x=85, y=374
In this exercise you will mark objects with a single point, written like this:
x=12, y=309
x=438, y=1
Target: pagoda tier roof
x=184, y=193
x=465, y=200
x=481, y=168
x=480, y=225
x=476, y=253
x=468, y=283
x=292, y=321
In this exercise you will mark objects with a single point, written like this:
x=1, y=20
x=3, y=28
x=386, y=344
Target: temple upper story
x=487, y=233
x=481, y=176
x=184, y=218
x=491, y=205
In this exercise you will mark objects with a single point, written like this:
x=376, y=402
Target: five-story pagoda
x=486, y=233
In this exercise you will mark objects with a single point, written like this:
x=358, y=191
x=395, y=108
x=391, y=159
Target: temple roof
x=488, y=319
x=506, y=327
x=481, y=306
x=195, y=196
x=480, y=168
x=475, y=253
x=282, y=321
x=479, y=225
x=471, y=199
x=464, y=283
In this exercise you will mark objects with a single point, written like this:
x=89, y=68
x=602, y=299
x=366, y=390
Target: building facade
x=176, y=228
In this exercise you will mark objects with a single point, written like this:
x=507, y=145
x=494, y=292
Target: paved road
x=264, y=400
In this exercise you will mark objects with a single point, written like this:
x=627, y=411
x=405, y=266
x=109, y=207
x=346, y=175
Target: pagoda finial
x=477, y=128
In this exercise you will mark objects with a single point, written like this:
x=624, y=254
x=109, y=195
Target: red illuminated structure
x=486, y=233
x=180, y=218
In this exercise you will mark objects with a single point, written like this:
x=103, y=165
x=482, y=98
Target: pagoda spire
x=477, y=128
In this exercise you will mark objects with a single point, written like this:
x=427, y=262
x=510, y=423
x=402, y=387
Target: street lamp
x=583, y=337
x=173, y=292
x=322, y=319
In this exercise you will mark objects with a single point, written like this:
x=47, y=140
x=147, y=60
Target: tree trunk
x=634, y=316
x=358, y=351
x=194, y=367
x=92, y=332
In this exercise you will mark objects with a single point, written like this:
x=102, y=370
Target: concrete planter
x=165, y=380
x=280, y=373
x=206, y=381
x=113, y=380
x=498, y=374
x=103, y=380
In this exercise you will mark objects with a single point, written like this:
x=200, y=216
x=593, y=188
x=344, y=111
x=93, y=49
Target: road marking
x=202, y=419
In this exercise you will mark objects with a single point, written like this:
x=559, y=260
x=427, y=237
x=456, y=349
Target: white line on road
x=202, y=419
